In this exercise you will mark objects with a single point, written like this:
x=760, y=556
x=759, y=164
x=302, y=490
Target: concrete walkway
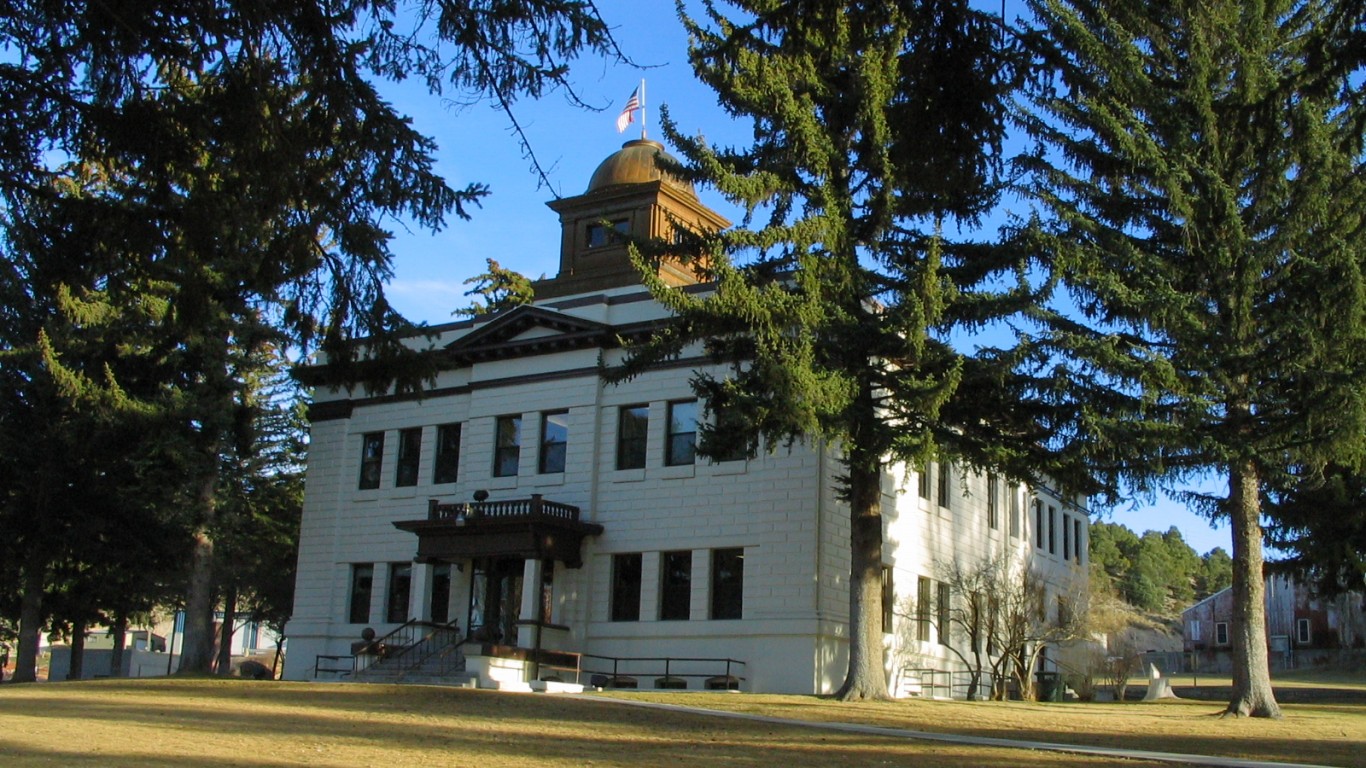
x=978, y=741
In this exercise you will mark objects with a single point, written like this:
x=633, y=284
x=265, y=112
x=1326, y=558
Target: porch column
x=531, y=602
x=419, y=593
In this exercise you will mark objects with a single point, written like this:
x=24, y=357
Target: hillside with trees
x=1157, y=573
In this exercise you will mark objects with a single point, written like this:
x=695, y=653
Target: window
x=633, y=428
x=1052, y=533
x=409, y=454
x=1066, y=537
x=362, y=579
x=1015, y=511
x=1193, y=630
x=547, y=590
x=400, y=582
x=1038, y=524
x=993, y=514
x=508, y=451
x=554, y=439
x=922, y=482
x=1302, y=635
x=251, y=632
x=439, y=607
x=1077, y=545
x=944, y=484
x=888, y=601
x=1065, y=616
x=600, y=234
x=371, y=457
x=447, y=466
x=626, y=587
x=922, y=610
x=675, y=586
x=727, y=583
x=682, y=445
x=943, y=605
x=1221, y=633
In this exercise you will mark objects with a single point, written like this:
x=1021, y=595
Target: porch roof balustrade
x=526, y=528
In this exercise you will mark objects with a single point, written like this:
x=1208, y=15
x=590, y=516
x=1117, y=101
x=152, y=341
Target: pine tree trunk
x=30, y=620
x=1252, y=694
x=76, y=670
x=223, y=665
x=867, y=675
x=196, y=654
x=120, y=629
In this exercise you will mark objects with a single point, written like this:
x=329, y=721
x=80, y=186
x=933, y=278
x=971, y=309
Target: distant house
x=146, y=649
x=1299, y=624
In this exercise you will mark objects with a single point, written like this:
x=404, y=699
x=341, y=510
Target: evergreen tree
x=1320, y=528
x=1216, y=573
x=243, y=170
x=497, y=289
x=1203, y=181
x=875, y=125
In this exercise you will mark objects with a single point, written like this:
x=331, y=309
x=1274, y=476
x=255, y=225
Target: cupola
x=628, y=196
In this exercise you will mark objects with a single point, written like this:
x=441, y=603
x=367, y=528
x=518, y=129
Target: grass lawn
x=157, y=723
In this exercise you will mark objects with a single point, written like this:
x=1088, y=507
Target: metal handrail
x=409, y=646
x=617, y=670
x=350, y=669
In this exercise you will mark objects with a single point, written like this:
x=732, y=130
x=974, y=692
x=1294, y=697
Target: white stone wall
x=779, y=507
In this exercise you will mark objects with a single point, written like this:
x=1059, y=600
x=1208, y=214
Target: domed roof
x=634, y=163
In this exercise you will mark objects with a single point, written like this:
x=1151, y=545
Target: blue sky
x=514, y=226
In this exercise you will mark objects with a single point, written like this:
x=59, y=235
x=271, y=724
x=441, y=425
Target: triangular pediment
x=529, y=330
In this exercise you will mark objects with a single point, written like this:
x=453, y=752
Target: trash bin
x=1048, y=686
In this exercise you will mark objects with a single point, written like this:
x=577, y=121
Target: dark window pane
x=447, y=466
x=507, y=454
x=1066, y=537
x=727, y=583
x=888, y=600
x=409, y=455
x=599, y=235
x=992, y=515
x=922, y=609
x=441, y=593
x=1015, y=510
x=362, y=579
x=943, y=484
x=1077, y=540
x=682, y=433
x=554, y=441
x=675, y=589
x=633, y=428
x=371, y=458
x=400, y=582
x=626, y=587
x=942, y=603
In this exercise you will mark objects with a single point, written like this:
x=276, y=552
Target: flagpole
x=642, y=108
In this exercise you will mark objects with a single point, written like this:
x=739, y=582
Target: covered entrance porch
x=499, y=558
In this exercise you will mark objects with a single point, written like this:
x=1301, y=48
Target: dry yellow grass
x=1320, y=733
x=177, y=722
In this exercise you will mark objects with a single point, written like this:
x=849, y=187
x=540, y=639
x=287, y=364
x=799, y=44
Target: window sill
x=677, y=472
x=628, y=475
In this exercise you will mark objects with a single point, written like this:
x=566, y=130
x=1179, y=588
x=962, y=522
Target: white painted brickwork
x=780, y=508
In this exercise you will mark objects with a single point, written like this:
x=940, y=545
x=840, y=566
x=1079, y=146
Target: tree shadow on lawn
x=435, y=726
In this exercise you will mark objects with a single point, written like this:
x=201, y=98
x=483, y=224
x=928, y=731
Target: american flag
x=627, y=115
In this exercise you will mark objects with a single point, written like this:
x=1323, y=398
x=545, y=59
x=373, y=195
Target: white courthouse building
x=540, y=508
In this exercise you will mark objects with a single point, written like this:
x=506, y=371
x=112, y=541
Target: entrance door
x=440, y=606
x=496, y=599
